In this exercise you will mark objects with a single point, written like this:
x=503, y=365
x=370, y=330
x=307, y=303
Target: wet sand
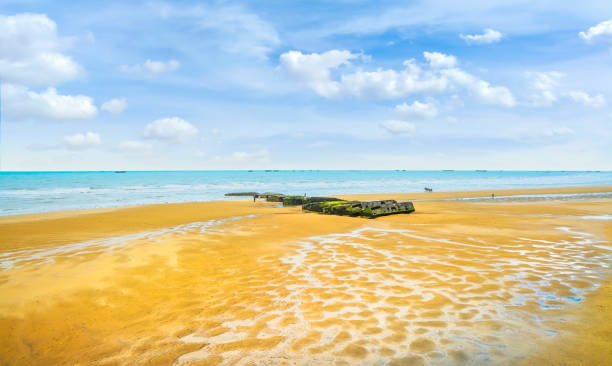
x=233, y=282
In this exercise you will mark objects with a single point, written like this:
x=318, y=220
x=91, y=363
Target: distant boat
x=119, y=171
x=448, y=170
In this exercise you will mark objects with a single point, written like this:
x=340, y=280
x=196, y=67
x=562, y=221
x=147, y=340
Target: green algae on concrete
x=368, y=209
x=335, y=206
x=302, y=200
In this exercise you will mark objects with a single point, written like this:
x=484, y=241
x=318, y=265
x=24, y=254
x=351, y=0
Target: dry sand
x=233, y=282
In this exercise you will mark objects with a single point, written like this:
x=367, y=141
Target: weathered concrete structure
x=301, y=200
x=336, y=206
x=369, y=209
x=241, y=194
x=269, y=196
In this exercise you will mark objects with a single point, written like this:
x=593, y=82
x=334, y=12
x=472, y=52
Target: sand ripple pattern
x=379, y=296
x=16, y=259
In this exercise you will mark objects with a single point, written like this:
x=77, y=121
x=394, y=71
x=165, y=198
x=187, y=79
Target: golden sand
x=233, y=282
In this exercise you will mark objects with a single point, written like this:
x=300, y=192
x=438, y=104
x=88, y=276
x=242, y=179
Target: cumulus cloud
x=31, y=52
x=81, y=141
x=417, y=110
x=397, y=127
x=315, y=69
x=115, y=106
x=391, y=84
x=602, y=30
x=439, y=60
x=439, y=74
x=548, y=90
x=480, y=89
x=489, y=36
x=586, y=99
x=22, y=103
x=546, y=85
x=151, y=68
x=171, y=130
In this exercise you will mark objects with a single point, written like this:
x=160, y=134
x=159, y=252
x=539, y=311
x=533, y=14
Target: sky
x=318, y=84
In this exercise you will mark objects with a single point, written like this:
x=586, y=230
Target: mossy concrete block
x=272, y=197
x=302, y=200
x=240, y=194
x=294, y=200
x=368, y=209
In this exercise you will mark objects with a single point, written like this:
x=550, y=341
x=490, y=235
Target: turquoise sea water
x=28, y=192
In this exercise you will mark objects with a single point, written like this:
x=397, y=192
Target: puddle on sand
x=377, y=297
x=597, y=217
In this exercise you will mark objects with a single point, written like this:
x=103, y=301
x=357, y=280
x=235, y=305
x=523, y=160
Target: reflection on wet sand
x=455, y=283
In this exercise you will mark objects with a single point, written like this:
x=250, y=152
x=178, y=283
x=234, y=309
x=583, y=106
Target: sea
x=32, y=192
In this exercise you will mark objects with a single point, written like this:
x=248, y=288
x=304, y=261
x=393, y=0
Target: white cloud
x=440, y=74
x=314, y=69
x=151, y=68
x=172, y=130
x=22, y=103
x=31, y=52
x=439, y=60
x=135, y=146
x=390, y=84
x=115, y=106
x=548, y=91
x=584, y=98
x=601, y=30
x=417, y=110
x=546, y=85
x=489, y=36
x=397, y=127
x=246, y=32
x=480, y=89
x=231, y=28
x=82, y=141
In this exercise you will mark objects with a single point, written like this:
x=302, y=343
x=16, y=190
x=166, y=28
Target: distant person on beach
x=492, y=195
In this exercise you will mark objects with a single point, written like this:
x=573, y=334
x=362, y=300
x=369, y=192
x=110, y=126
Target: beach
x=520, y=279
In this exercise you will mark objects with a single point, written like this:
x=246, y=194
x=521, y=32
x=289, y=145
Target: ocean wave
x=39, y=192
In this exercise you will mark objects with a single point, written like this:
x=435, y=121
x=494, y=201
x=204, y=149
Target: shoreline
x=479, y=193
x=188, y=293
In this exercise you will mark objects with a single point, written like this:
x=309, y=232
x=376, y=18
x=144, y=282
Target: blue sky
x=103, y=85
